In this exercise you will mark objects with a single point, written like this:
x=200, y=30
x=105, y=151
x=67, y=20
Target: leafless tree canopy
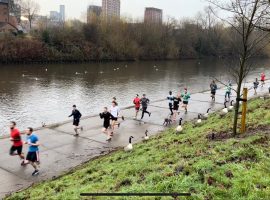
x=249, y=22
x=30, y=9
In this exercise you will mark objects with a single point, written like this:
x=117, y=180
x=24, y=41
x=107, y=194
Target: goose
x=129, y=147
x=231, y=106
x=179, y=128
x=225, y=109
x=146, y=137
x=207, y=113
x=199, y=119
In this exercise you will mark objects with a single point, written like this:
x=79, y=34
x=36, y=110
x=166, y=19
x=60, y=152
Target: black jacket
x=76, y=114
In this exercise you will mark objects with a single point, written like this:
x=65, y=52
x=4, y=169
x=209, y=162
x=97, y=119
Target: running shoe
x=35, y=173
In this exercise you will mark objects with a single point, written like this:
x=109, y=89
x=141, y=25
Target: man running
x=115, y=111
x=137, y=103
x=107, y=117
x=33, y=151
x=262, y=79
x=170, y=101
x=15, y=138
x=186, y=96
x=228, y=91
x=255, y=86
x=145, y=101
x=76, y=120
x=213, y=88
x=176, y=102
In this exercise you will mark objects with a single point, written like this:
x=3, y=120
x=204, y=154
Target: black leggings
x=171, y=108
x=144, y=110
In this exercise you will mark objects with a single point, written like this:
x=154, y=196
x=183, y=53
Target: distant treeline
x=79, y=42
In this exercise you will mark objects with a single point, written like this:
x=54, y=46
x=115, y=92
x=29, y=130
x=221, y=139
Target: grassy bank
x=218, y=167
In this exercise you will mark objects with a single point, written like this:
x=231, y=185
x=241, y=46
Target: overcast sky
x=130, y=8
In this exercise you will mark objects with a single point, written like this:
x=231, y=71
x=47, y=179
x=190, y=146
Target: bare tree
x=30, y=9
x=246, y=18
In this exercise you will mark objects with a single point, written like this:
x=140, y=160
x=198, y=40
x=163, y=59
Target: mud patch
x=262, y=129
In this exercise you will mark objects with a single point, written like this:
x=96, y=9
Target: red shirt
x=136, y=101
x=263, y=77
x=16, y=136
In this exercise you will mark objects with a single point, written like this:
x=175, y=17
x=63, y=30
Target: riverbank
x=200, y=160
x=61, y=152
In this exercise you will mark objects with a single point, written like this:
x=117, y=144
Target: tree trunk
x=238, y=93
x=237, y=106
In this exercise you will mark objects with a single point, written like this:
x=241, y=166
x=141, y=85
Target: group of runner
x=256, y=83
x=111, y=119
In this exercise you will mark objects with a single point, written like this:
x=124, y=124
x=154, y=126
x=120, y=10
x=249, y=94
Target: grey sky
x=130, y=8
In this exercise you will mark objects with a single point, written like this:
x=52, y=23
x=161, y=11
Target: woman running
x=186, y=96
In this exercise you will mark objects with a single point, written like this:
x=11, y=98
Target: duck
x=231, y=106
x=156, y=69
x=146, y=137
x=36, y=79
x=179, y=128
x=206, y=115
x=129, y=147
x=46, y=69
x=23, y=75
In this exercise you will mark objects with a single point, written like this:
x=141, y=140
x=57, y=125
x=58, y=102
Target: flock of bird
x=86, y=72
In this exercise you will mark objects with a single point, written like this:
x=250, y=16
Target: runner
x=76, y=120
x=17, y=145
x=170, y=101
x=228, y=91
x=213, y=88
x=255, y=86
x=33, y=151
x=176, y=102
x=114, y=100
x=186, y=96
x=145, y=101
x=106, y=116
x=137, y=104
x=115, y=111
x=262, y=79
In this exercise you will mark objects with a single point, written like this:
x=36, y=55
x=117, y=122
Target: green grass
x=235, y=168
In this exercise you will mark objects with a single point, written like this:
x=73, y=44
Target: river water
x=30, y=95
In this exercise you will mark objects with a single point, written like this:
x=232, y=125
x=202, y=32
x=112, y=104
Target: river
x=30, y=95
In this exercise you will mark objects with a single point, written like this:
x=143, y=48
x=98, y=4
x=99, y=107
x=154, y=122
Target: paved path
x=61, y=151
